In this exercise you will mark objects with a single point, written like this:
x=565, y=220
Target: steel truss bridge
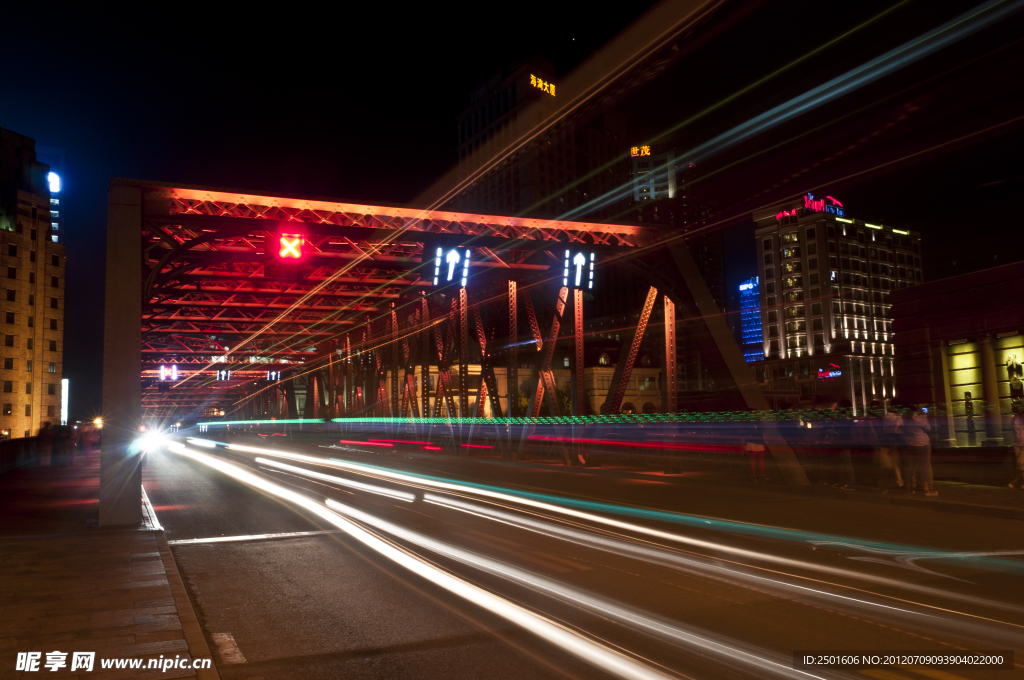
x=211, y=327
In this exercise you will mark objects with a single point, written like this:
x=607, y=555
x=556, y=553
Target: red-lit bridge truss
x=208, y=306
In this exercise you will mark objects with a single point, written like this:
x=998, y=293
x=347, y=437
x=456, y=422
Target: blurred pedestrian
x=889, y=440
x=844, y=444
x=753, y=444
x=865, y=432
x=917, y=451
x=44, y=444
x=1018, y=446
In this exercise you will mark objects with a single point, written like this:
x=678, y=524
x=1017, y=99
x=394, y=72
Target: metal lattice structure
x=229, y=328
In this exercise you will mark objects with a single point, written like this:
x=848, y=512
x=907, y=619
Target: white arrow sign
x=579, y=261
x=452, y=259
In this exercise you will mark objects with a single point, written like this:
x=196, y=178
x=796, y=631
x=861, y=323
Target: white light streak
x=592, y=652
x=380, y=490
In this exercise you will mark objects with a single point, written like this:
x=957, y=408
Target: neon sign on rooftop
x=826, y=205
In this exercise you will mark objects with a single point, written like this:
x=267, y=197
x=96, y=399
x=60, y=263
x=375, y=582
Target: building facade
x=55, y=158
x=750, y=320
x=557, y=170
x=826, y=281
x=960, y=348
x=32, y=270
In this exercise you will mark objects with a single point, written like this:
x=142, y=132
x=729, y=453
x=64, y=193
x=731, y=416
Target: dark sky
x=360, y=104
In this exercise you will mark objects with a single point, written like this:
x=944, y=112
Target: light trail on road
x=584, y=536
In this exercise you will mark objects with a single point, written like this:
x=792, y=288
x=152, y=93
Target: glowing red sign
x=833, y=372
x=826, y=205
x=291, y=246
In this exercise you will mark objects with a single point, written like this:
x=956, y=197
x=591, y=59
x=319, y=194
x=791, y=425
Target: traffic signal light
x=284, y=254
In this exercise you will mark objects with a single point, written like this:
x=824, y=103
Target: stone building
x=32, y=299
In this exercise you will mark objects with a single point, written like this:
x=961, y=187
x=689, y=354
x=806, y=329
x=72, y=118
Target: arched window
x=645, y=361
x=604, y=359
x=566, y=362
x=628, y=408
x=650, y=408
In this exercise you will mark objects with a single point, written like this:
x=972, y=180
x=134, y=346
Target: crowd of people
x=892, y=446
x=57, y=445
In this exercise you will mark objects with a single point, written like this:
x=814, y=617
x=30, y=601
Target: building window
x=31, y=277
x=32, y=256
x=9, y=363
x=49, y=411
x=769, y=287
x=51, y=388
x=565, y=362
x=814, y=278
x=8, y=341
x=12, y=295
x=8, y=408
x=816, y=309
x=53, y=303
x=28, y=388
x=604, y=360
x=9, y=317
x=54, y=282
x=28, y=366
x=769, y=272
x=28, y=410
x=53, y=324
x=812, y=248
x=12, y=272
x=55, y=260
x=52, y=368
x=53, y=345
x=810, y=234
x=8, y=386
x=767, y=244
x=29, y=344
x=791, y=237
x=767, y=259
x=31, y=322
x=12, y=250
x=32, y=299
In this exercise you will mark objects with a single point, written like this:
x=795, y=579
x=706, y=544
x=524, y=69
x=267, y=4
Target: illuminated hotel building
x=826, y=278
x=32, y=296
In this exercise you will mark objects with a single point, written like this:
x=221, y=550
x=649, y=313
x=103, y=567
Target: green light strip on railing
x=645, y=418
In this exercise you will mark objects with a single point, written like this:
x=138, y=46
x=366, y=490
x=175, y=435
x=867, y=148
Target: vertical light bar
x=437, y=266
x=64, y=401
x=465, y=268
x=565, y=274
x=163, y=372
x=590, y=284
x=174, y=371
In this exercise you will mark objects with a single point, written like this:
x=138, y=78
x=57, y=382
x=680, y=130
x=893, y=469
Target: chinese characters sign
x=640, y=151
x=826, y=205
x=542, y=85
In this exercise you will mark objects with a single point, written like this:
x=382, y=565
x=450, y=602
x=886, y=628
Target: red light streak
x=476, y=446
x=352, y=441
x=431, y=448
x=397, y=441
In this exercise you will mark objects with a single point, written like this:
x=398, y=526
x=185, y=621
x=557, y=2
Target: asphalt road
x=432, y=567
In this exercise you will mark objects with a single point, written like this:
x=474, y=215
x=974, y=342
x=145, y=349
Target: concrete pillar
x=120, y=501
x=990, y=391
x=945, y=431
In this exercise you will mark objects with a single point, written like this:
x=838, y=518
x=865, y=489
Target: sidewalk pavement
x=68, y=586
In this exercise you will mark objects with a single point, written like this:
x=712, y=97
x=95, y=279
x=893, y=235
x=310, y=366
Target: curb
x=194, y=638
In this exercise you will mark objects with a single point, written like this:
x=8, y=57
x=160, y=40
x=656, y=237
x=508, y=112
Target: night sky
x=359, y=104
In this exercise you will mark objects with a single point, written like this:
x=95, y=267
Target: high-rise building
x=750, y=320
x=32, y=296
x=55, y=158
x=556, y=171
x=825, y=283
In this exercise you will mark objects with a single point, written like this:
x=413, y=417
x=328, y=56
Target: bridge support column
x=120, y=501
